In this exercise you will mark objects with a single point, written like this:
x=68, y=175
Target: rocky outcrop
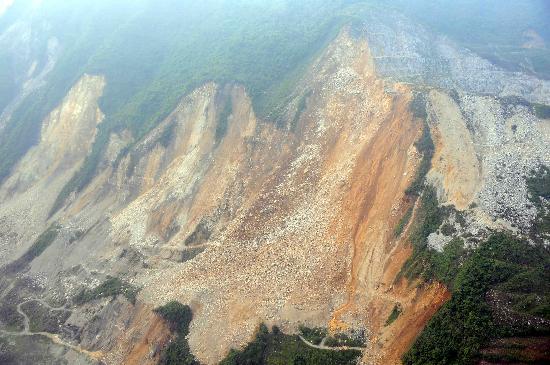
x=406, y=51
x=66, y=139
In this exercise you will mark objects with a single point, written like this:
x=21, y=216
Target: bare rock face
x=406, y=51
x=66, y=139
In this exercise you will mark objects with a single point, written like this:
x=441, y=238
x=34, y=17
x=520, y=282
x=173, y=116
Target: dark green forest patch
x=177, y=352
x=276, y=348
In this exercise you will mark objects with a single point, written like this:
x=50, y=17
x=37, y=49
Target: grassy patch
x=276, y=348
x=395, y=313
x=179, y=317
x=111, y=287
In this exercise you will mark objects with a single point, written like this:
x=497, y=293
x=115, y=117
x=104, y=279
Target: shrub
x=313, y=335
x=395, y=313
x=38, y=247
x=178, y=353
x=111, y=287
x=426, y=147
x=178, y=316
x=272, y=348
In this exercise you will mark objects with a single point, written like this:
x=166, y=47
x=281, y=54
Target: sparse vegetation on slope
x=425, y=146
x=538, y=185
x=542, y=111
x=111, y=287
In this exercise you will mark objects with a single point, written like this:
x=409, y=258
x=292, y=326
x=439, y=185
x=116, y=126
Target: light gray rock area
x=406, y=51
x=509, y=140
x=511, y=143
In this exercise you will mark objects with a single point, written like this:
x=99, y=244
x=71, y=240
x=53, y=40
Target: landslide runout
x=286, y=224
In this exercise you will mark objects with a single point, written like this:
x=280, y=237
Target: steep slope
x=307, y=219
x=66, y=138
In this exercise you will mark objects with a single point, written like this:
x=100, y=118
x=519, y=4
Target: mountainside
x=250, y=182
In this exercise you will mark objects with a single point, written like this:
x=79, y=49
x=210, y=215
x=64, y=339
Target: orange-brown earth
x=300, y=223
x=286, y=224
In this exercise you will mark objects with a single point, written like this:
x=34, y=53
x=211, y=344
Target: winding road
x=53, y=337
x=323, y=347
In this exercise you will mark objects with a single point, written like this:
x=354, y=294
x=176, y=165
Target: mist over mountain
x=274, y=182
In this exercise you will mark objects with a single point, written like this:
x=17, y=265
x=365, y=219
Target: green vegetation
x=395, y=313
x=223, y=120
x=513, y=271
x=403, y=222
x=542, y=111
x=538, y=185
x=166, y=136
x=43, y=319
x=428, y=219
x=276, y=348
x=43, y=242
x=179, y=317
x=313, y=335
x=426, y=147
x=151, y=58
x=504, y=265
x=111, y=287
x=342, y=339
x=10, y=319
